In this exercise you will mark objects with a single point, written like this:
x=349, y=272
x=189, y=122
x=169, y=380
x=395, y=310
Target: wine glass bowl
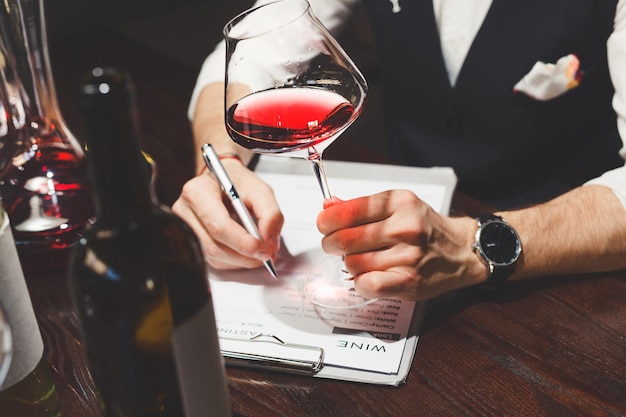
x=290, y=89
x=289, y=85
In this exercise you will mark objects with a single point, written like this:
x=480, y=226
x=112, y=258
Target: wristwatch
x=498, y=245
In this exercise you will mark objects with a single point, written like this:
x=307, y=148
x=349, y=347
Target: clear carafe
x=45, y=189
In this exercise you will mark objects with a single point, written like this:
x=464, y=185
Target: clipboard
x=270, y=326
x=285, y=357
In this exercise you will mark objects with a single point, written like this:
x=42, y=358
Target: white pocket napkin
x=546, y=81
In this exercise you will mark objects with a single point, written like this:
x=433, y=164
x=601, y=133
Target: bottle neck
x=119, y=171
x=120, y=179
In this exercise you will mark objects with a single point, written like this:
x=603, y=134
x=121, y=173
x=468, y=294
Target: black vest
x=506, y=148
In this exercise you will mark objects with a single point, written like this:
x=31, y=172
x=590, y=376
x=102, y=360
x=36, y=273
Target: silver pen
x=215, y=166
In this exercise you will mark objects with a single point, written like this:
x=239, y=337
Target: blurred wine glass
x=12, y=113
x=45, y=187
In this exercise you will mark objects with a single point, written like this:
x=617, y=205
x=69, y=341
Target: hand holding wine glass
x=290, y=89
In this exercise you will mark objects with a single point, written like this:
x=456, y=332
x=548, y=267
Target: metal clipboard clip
x=266, y=351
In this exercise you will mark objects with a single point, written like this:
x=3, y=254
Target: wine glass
x=292, y=90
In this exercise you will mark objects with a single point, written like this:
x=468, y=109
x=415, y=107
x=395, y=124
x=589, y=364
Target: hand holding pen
x=215, y=166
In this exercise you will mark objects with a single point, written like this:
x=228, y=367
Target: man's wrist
x=230, y=156
x=474, y=270
x=226, y=158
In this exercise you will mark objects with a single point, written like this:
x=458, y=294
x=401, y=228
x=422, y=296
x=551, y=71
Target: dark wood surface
x=552, y=347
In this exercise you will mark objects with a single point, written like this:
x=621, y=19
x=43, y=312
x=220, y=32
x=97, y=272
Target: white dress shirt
x=458, y=22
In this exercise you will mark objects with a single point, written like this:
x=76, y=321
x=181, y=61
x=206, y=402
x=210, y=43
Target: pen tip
x=271, y=269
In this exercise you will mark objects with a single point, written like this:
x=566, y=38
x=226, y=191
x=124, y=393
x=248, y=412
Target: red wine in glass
x=288, y=119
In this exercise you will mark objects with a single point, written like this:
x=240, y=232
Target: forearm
x=581, y=231
x=208, y=125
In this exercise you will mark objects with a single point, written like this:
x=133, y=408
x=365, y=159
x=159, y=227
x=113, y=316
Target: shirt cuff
x=615, y=180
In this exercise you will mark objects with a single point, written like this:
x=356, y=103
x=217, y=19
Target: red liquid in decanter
x=47, y=197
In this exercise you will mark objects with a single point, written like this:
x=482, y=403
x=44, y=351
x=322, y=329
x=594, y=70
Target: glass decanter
x=45, y=189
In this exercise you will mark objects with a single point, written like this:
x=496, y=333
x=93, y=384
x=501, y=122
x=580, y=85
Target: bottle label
x=200, y=366
x=15, y=300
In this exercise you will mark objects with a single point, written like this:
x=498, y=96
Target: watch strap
x=498, y=276
x=486, y=217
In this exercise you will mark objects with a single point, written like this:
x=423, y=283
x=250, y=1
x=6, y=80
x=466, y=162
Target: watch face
x=499, y=243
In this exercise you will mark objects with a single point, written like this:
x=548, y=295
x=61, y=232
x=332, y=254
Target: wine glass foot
x=327, y=285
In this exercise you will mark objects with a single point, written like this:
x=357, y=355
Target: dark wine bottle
x=27, y=389
x=138, y=278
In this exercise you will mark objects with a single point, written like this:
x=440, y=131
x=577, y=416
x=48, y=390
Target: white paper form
x=372, y=344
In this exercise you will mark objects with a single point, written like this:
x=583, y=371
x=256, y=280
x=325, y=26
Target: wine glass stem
x=316, y=161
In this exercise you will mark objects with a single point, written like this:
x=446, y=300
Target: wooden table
x=552, y=347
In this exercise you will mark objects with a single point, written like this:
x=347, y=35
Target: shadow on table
x=446, y=306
